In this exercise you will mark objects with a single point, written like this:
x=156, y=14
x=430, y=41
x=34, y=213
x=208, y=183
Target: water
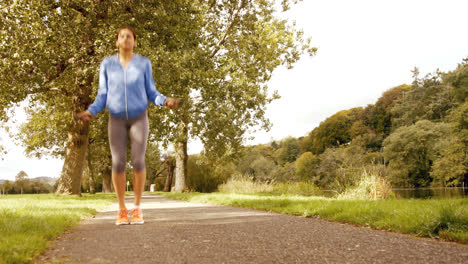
x=431, y=193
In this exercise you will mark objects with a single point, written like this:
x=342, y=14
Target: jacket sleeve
x=101, y=99
x=153, y=94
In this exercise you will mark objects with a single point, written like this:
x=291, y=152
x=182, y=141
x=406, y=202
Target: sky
x=364, y=49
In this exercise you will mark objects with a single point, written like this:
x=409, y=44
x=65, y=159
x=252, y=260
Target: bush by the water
x=371, y=186
x=243, y=184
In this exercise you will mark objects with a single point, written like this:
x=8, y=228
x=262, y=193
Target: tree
x=170, y=166
x=245, y=42
x=288, y=151
x=6, y=186
x=335, y=130
x=340, y=167
x=410, y=152
x=451, y=165
x=427, y=99
x=306, y=167
x=204, y=176
x=256, y=162
x=62, y=82
x=21, y=180
x=262, y=168
x=216, y=55
x=379, y=116
x=458, y=80
x=51, y=49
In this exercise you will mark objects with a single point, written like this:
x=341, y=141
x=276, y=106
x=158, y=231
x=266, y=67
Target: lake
x=431, y=193
x=419, y=193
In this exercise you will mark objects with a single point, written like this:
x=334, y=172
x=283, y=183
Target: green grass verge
x=28, y=222
x=447, y=219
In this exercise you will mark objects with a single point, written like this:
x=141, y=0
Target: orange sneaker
x=122, y=218
x=137, y=217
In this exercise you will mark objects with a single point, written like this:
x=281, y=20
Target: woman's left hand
x=84, y=116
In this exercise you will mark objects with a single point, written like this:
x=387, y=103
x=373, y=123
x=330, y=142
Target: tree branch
x=228, y=29
x=50, y=79
x=213, y=3
x=161, y=171
x=79, y=9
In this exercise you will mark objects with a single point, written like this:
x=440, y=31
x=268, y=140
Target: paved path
x=181, y=232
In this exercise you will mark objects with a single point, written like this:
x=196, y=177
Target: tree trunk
x=170, y=174
x=181, y=159
x=107, y=186
x=77, y=146
x=92, y=182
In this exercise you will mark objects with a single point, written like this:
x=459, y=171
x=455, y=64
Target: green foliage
x=286, y=173
x=428, y=99
x=370, y=141
x=239, y=184
x=458, y=80
x=340, y=167
x=255, y=164
x=245, y=185
x=417, y=155
x=204, y=176
x=24, y=185
x=45, y=131
x=410, y=152
x=306, y=166
x=288, y=151
x=336, y=130
x=371, y=186
x=6, y=186
x=451, y=166
x=218, y=56
x=379, y=116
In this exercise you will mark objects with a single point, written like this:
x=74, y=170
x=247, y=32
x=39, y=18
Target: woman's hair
x=129, y=28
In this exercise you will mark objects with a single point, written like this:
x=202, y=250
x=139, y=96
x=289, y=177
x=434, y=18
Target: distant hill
x=49, y=180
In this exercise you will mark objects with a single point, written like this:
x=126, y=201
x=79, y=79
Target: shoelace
x=123, y=213
x=136, y=213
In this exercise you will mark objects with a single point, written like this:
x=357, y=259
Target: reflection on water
x=431, y=193
x=418, y=193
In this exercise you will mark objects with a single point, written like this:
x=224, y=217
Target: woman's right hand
x=172, y=102
x=84, y=116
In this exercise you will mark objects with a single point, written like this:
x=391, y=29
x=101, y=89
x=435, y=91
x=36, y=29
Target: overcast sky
x=364, y=49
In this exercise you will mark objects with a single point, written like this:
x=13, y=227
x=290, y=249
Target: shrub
x=371, y=186
x=244, y=184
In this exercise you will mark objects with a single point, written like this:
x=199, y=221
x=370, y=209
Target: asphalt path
x=182, y=232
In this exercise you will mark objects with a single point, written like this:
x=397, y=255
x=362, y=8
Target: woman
x=125, y=85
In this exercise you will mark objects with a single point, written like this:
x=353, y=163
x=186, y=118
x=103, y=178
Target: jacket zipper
x=125, y=84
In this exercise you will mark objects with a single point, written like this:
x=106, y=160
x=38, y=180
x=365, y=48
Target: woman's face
x=126, y=41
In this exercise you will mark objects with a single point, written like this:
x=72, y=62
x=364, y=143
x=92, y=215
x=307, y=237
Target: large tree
x=379, y=116
x=241, y=43
x=21, y=180
x=411, y=150
x=217, y=55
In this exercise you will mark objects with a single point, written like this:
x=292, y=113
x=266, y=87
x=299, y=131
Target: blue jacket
x=125, y=92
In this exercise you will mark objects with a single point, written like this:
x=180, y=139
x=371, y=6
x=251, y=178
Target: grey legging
x=119, y=131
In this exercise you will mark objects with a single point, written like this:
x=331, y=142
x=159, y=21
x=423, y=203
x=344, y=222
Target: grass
x=447, y=219
x=28, y=222
x=245, y=185
x=369, y=187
